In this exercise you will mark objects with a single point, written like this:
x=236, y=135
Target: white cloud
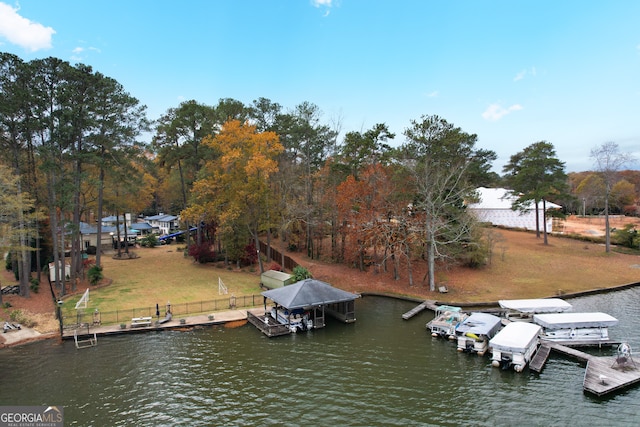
x=23, y=32
x=433, y=94
x=496, y=111
x=326, y=4
x=522, y=74
x=80, y=53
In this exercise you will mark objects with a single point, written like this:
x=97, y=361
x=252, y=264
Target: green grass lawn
x=160, y=275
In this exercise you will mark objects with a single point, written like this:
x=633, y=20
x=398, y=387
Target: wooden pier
x=269, y=326
x=431, y=305
x=603, y=374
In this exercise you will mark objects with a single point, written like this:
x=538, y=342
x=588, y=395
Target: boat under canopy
x=475, y=331
x=302, y=306
x=575, y=320
x=516, y=337
x=540, y=305
x=479, y=324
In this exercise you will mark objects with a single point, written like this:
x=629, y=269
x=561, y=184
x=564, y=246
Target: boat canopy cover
x=542, y=305
x=308, y=293
x=479, y=324
x=516, y=337
x=451, y=308
x=574, y=320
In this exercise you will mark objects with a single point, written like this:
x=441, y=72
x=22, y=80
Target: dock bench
x=140, y=321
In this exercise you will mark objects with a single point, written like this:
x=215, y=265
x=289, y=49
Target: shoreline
x=29, y=335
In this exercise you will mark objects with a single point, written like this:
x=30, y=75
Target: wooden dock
x=540, y=358
x=268, y=325
x=431, y=305
x=603, y=375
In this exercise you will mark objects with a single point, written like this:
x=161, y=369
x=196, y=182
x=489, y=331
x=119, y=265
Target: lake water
x=379, y=371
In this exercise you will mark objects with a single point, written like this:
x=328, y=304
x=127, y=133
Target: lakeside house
x=165, y=224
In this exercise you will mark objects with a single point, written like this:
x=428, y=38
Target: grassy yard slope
x=521, y=267
x=525, y=268
x=164, y=274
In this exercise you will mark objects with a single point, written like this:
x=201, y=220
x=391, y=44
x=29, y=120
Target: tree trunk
x=537, y=221
x=409, y=269
x=100, y=208
x=607, y=228
x=257, y=240
x=544, y=220
x=431, y=261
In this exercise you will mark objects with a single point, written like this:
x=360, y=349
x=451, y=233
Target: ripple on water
x=379, y=371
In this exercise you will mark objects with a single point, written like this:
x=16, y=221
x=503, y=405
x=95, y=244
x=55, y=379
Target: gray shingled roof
x=307, y=293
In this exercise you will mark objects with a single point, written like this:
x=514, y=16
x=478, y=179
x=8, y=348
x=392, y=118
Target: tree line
x=72, y=152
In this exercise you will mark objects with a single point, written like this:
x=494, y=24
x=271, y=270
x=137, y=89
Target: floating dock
x=603, y=374
x=431, y=305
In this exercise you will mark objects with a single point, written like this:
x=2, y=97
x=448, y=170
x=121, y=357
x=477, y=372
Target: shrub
x=274, y=266
x=627, y=236
x=301, y=273
x=19, y=317
x=95, y=274
x=35, y=285
x=249, y=255
x=150, y=240
x=202, y=253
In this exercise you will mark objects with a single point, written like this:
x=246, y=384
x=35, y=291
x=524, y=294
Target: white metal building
x=495, y=207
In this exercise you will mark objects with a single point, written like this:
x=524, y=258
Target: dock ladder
x=85, y=340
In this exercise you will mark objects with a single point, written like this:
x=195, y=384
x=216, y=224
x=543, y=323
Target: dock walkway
x=217, y=318
x=431, y=305
x=540, y=358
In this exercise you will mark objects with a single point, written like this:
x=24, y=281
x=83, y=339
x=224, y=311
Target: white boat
x=515, y=345
x=447, y=317
x=566, y=327
x=474, y=332
x=295, y=321
x=525, y=309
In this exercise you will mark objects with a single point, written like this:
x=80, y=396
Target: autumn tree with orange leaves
x=235, y=190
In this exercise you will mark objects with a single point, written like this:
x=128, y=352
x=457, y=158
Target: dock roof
x=308, y=293
x=515, y=337
x=541, y=305
x=575, y=320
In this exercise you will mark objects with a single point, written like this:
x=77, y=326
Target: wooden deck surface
x=431, y=305
x=540, y=358
x=603, y=374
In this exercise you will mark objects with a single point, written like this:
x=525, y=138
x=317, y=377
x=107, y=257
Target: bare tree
x=608, y=161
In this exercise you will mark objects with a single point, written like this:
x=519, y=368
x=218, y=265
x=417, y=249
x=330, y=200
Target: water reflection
x=380, y=370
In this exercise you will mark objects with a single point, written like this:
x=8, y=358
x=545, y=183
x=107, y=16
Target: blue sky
x=512, y=72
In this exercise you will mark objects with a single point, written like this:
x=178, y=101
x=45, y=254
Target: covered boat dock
x=524, y=309
x=303, y=306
